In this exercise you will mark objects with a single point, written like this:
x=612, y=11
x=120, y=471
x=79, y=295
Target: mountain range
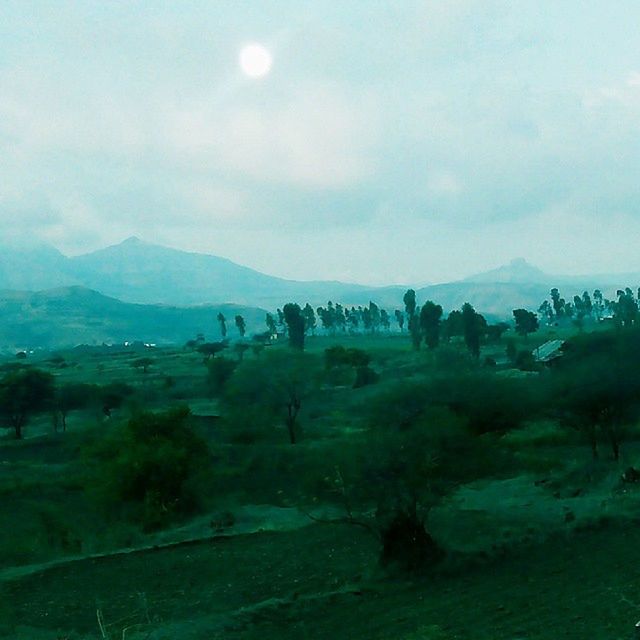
x=137, y=290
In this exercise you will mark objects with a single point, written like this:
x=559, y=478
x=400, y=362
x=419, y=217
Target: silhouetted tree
x=295, y=323
x=223, y=324
x=473, y=325
x=526, y=321
x=309, y=318
x=430, y=316
x=240, y=324
x=24, y=393
x=271, y=325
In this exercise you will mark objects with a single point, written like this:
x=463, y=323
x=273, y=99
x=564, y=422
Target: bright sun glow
x=255, y=60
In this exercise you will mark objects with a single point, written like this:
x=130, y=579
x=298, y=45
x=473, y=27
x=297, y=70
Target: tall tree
x=242, y=328
x=309, y=318
x=271, y=324
x=223, y=324
x=399, y=319
x=430, y=316
x=409, y=300
x=472, y=323
x=295, y=323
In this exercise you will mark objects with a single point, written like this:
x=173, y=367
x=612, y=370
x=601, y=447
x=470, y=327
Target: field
x=541, y=540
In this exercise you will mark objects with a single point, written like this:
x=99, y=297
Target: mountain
x=75, y=315
x=33, y=267
x=517, y=271
x=140, y=272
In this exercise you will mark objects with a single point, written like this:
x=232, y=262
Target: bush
x=148, y=469
x=220, y=370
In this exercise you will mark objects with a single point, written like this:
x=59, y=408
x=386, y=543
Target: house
x=548, y=351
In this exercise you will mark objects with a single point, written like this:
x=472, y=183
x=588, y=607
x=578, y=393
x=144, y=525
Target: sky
x=406, y=141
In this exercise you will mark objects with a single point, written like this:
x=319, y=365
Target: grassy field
x=546, y=545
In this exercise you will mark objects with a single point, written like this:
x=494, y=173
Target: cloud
x=319, y=137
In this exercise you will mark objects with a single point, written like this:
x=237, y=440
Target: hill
x=75, y=315
x=138, y=272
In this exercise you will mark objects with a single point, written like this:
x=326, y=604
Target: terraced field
x=320, y=582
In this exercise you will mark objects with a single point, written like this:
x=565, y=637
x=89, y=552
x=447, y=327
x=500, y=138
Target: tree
x=72, y=397
x=598, y=304
x=240, y=348
x=626, y=309
x=558, y=303
x=454, y=326
x=385, y=322
x=473, y=324
x=409, y=300
x=495, y=331
x=223, y=324
x=142, y=363
x=546, y=312
x=210, y=349
x=219, y=371
x=22, y=394
x=596, y=387
x=271, y=325
x=309, y=318
x=399, y=319
x=240, y=324
x=430, y=316
x=265, y=394
x=526, y=322
x=148, y=468
x=296, y=325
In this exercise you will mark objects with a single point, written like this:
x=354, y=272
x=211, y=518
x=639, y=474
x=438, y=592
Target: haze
x=390, y=142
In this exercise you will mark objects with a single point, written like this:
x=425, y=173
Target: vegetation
x=406, y=461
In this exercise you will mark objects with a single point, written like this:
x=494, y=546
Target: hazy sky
x=393, y=141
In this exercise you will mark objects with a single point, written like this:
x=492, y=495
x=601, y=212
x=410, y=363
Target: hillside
x=144, y=273
x=75, y=315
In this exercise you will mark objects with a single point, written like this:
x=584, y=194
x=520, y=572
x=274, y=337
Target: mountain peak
x=517, y=271
x=132, y=240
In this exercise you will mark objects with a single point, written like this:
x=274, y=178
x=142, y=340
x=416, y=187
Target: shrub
x=148, y=468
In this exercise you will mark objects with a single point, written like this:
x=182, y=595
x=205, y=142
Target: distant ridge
x=136, y=271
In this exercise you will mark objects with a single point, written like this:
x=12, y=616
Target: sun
x=255, y=60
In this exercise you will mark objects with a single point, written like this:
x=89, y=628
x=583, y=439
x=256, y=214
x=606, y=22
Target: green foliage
x=142, y=363
x=71, y=397
x=22, y=394
x=364, y=377
x=526, y=321
x=596, y=388
x=340, y=356
x=210, y=349
x=296, y=324
x=430, y=315
x=264, y=394
x=112, y=396
x=473, y=326
x=219, y=371
x=240, y=325
x=222, y=322
x=147, y=469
